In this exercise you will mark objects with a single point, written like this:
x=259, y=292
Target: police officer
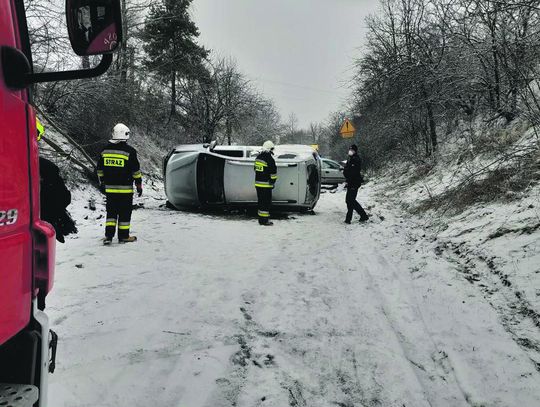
x=265, y=179
x=354, y=180
x=118, y=167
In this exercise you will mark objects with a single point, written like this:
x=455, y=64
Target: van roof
x=285, y=151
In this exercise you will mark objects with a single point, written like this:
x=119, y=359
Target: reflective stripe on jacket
x=265, y=170
x=118, y=167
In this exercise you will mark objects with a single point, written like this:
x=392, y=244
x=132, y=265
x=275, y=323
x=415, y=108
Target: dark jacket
x=352, y=172
x=54, y=199
x=265, y=170
x=118, y=167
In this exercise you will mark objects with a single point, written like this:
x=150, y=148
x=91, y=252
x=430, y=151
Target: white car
x=202, y=176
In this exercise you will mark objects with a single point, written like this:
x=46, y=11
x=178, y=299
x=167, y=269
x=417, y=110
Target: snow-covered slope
x=150, y=154
x=487, y=225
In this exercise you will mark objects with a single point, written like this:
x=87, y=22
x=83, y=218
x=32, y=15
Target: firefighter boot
x=107, y=241
x=129, y=239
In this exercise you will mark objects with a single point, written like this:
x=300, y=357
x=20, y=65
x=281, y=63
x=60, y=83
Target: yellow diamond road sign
x=347, y=130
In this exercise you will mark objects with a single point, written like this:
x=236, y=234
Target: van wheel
x=169, y=205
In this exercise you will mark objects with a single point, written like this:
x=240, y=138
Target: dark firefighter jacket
x=265, y=170
x=54, y=199
x=118, y=167
x=352, y=172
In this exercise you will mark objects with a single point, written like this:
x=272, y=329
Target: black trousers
x=353, y=205
x=119, y=208
x=264, y=198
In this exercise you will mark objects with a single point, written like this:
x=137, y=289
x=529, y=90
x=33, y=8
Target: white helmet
x=120, y=133
x=268, y=146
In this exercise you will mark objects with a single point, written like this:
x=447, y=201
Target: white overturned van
x=205, y=176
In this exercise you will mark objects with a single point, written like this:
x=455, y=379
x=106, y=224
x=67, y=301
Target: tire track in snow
x=477, y=372
x=455, y=396
x=514, y=308
x=441, y=375
x=345, y=378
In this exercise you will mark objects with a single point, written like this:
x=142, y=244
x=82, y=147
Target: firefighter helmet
x=120, y=132
x=268, y=146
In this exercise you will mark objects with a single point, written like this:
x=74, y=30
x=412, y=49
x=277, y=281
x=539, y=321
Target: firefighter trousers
x=264, y=198
x=119, y=207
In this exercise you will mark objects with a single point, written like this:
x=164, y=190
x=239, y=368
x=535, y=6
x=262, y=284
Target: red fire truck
x=27, y=244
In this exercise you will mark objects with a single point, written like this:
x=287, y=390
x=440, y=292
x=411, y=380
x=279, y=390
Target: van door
x=287, y=186
x=239, y=183
x=15, y=198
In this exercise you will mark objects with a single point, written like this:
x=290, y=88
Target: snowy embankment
x=213, y=310
x=77, y=168
x=486, y=225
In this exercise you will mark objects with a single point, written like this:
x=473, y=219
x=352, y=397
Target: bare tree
x=431, y=63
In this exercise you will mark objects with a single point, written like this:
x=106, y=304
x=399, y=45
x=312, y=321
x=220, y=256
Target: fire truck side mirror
x=15, y=67
x=94, y=26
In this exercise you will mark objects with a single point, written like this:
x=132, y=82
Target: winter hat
x=354, y=147
x=120, y=133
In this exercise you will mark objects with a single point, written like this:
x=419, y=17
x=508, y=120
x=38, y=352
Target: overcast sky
x=299, y=52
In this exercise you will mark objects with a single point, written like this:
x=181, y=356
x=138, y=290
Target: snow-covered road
x=215, y=311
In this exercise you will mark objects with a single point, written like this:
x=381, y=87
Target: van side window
x=230, y=153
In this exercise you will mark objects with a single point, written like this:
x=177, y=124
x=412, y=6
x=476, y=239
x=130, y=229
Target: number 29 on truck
x=27, y=244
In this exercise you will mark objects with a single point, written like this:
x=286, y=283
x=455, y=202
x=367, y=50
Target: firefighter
x=54, y=198
x=354, y=180
x=265, y=179
x=54, y=195
x=117, y=169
